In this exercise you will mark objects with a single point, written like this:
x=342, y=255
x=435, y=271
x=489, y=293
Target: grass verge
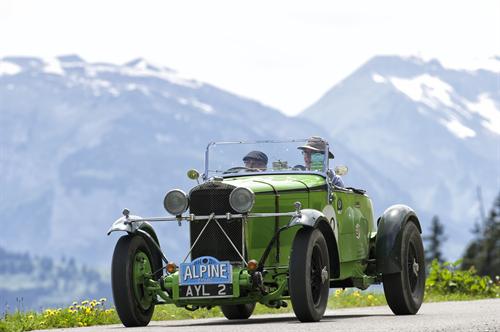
x=445, y=283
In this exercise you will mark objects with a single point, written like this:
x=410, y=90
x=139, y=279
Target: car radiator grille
x=214, y=197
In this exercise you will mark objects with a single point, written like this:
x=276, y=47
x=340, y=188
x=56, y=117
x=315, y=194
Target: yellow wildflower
x=338, y=292
x=31, y=317
x=356, y=294
x=85, y=302
x=102, y=299
x=49, y=312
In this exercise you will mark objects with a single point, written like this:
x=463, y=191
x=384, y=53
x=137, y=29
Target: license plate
x=205, y=270
x=208, y=290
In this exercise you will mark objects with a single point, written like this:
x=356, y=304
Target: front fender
x=316, y=219
x=388, y=240
x=307, y=217
x=121, y=225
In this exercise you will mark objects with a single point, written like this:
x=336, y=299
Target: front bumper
x=130, y=223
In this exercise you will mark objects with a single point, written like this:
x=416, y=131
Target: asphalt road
x=482, y=315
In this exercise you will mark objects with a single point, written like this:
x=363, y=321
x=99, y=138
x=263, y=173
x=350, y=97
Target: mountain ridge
x=414, y=119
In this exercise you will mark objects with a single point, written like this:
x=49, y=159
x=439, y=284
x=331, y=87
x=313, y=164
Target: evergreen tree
x=434, y=241
x=484, y=251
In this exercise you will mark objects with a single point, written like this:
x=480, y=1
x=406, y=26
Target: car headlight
x=242, y=199
x=176, y=202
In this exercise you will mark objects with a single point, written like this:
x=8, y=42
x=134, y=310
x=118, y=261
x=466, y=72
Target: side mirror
x=341, y=170
x=193, y=175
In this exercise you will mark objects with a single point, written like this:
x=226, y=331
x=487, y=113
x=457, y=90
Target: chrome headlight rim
x=247, y=206
x=180, y=206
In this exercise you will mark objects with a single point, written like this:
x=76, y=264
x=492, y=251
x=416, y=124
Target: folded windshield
x=229, y=158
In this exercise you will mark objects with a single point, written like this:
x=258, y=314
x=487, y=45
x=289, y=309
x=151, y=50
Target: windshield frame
x=213, y=143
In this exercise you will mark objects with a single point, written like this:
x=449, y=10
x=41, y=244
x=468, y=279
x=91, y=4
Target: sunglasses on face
x=314, y=154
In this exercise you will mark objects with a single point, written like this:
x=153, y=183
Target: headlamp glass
x=242, y=199
x=176, y=202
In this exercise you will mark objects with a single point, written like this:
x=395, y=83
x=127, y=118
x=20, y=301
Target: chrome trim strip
x=227, y=216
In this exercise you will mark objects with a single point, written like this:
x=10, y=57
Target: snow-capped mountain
x=80, y=141
x=434, y=131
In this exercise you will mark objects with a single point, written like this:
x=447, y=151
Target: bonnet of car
x=279, y=182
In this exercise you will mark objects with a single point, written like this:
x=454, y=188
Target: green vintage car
x=270, y=234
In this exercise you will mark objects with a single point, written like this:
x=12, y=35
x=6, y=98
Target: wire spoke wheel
x=316, y=268
x=404, y=290
x=412, y=267
x=309, y=275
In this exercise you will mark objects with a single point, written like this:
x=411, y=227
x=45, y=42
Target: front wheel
x=132, y=265
x=309, y=280
x=238, y=311
x=404, y=290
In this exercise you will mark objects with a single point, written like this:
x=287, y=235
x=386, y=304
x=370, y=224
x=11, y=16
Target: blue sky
x=285, y=54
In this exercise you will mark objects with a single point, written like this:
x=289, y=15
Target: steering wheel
x=238, y=169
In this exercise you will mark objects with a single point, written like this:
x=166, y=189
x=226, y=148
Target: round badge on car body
x=339, y=205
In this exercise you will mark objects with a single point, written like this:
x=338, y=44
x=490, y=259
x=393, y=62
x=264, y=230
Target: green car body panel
x=278, y=193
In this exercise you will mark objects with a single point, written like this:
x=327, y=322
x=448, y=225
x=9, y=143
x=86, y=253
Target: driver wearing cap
x=256, y=160
x=313, y=152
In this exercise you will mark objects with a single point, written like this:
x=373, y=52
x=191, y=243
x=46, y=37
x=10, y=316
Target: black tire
x=238, y=311
x=309, y=275
x=404, y=291
x=134, y=305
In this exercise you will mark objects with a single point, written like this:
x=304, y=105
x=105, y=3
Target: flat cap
x=257, y=155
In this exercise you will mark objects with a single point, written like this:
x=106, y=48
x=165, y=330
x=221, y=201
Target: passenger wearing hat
x=315, y=148
x=256, y=160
